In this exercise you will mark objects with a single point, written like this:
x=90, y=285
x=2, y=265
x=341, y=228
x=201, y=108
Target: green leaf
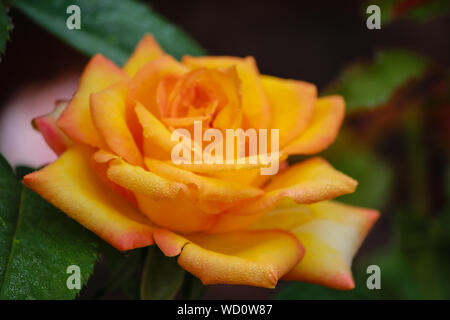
x=193, y=288
x=368, y=85
x=10, y=190
x=38, y=243
x=112, y=28
x=162, y=276
x=121, y=270
x=5, y=27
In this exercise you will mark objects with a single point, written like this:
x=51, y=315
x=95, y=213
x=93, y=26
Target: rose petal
x=179, y=214
x=257, y=258
x=255, y=105
x=309, y=181
x=100, y=163
x=138, y=180
x=157, y=138
x=331, y=234
x=291, y=104
x=144, y=85
x=109, y=114
x=323, y=128
x=214, y=195
x=76, y=120
x=146, y=51
x=70, y=184
x=54, y=136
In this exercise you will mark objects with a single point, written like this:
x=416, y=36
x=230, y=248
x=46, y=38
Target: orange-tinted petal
x=76, y=120
x=331, y=234
x=323, y=128
x=256, y=258
x=146, y=51
x=109, y=114
x=46, y=124
x=255, y=104
x=291, y=104
x=157, y=138
x=144, y=85
x=70, y=184
x=100, y=164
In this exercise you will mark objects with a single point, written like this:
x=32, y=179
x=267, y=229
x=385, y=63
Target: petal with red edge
x=109, y=114
x=292, y=105
x=70, y=184
x=255, y=104
x=256, y=258
x=331, y=233
x=323, y=128
x=147, y=50
x=46, y=124
x=76, y=120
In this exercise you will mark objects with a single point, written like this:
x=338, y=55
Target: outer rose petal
x=179, y=214
x=147, y=50
x=144, y=85
x=76, y=120
x=255, y=105
x=291, y=104
x=331, y=234
x=214, y=195
x=323, y=129
x=70, y=184
x=46, y=124
x=257, y=258
x=109, y=114
x=310, y=181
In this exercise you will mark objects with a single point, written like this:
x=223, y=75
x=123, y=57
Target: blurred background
x=395, y=140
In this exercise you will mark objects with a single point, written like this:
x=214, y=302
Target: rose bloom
x=227, y=223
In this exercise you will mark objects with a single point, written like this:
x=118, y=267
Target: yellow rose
x=226, y=222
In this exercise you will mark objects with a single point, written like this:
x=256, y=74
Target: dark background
x=308, y=40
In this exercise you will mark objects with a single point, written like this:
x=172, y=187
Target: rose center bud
x=211, y=96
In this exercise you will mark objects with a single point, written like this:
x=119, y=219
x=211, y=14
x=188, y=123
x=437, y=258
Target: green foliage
x=5, y=27
x=368, y=85
x=192, y=288
x=374, y=176
x=162, y=277
x=37, y=244
x=112, y=28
